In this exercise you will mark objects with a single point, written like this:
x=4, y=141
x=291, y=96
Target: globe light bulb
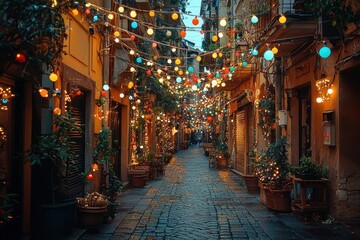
x=254, y=19
x=133, y=14
x=282, y=19
x=223, y=22
x=319, y=100
x=324, y=51
x=121, y=9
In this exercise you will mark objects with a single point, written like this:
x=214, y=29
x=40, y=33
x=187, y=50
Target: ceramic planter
x=91, y=217
x=251, y=182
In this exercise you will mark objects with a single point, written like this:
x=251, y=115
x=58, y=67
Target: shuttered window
x=74, y=179
x=240, y=141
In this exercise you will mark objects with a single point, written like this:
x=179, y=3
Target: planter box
x=281, y=200
x=251, y=182
x=91, y=217
x=262, y=187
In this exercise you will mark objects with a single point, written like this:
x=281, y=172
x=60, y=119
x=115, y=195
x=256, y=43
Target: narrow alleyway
x=193, y=201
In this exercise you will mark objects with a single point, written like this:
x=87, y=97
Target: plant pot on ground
x=91, y=210
x=251, y=182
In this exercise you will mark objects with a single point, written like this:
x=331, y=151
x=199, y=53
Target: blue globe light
x=254, y=19
x=324, y=51
x=230, y=75
x=178, y=79
x=199, y=84
x=134, y=24
x=268, y=55
x=106, y=87
x=254, y=52
x=138, y=60
x=217, y=75
x=131, y=98
x=244, y=64
x=95, y=18
x=190, y=69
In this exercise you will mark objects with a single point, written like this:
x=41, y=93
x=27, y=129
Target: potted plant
x=91, y=210
x=274, y=170
x=52, y=155
x=103, y=156
x=308, y=170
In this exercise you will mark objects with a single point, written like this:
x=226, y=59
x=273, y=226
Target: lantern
x=183, y=33
x=195, y=21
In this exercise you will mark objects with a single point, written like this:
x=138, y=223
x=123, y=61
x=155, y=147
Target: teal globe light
x=324, y=51
x=254, y=19
x=244, y=63
x=254, y=52
x=138, y=60
x=268, y=55
x=134, y=24
x=178, y=79
x=190, y=69
x=232, y=69
x=217, y=75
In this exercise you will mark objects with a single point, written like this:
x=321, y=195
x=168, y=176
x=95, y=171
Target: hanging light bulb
x=121, y=9
x=176, y=68
x=134, y=24
x=282, y=19
x=154, y=44
x=132, y=52
x=214, y=38
x=75, y=12
x=57, y=111
x=221, y=35
x=133, y=14
x=138, y=60
x=198, y=58
x=116, y=34
x=275, y=50
x=214, y=55
x=110, y=16
x=183, y=33
x=168, y=33
x=53, y=77
x=254, y=19
x=169, y=61
x=195, y=21
x=268, y=55
x=319, y=100
x=132, y=69
x=43, y=92
x=173, y=49
x=178, y=79
x=20, y=58
x=177, y=61
x=324, y=51
x=223, y=22
x=152, y=13
x=150, y=31
x=106, y=87
x=174, y=16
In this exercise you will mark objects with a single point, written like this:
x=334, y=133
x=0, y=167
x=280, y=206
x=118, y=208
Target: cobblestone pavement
x=193, y=201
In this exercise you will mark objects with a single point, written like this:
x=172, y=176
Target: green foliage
x=309, y=168
x=56, y=148
x=103, y=155
x=272, y=165
x=7, y=202
x=339, y=13
x=34, y=27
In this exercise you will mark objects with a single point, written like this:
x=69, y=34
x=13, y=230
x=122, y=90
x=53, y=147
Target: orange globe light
x=175, y=16
x=116, y=34
x=214, y=38
x=57, y=111
x=132, y=37
x=43, y=92
x=201, y=31
x=183, y=33
x=20, y=58
x=195, y=21
x=151, y=13
x=148, y=72
x=209, y=119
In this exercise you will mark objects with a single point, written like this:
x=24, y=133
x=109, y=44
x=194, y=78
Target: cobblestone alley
x=193, y=201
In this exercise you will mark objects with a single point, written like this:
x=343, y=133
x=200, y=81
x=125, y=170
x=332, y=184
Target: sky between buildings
x=193, y=32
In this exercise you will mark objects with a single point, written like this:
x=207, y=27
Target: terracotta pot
x=281, y=200
x=221, y=161
x=251, y=182
x=269, y=199
x=91, y=217
x=138, y=181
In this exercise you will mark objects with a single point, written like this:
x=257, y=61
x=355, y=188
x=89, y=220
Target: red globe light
x=90, y=177
x=103, y=93
x=195, y=21
x=132, y=37
x=20, y=58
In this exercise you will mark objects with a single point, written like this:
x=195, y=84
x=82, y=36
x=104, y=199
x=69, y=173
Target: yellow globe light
x=132, y=69
x=175, y=16
x=132, y=52
x=214, y=55
x=177, y=61
x=223, y=22
x=319, y=100
x=176, y=69
x=275, y=50
x=121, y=9
x=214, y=38
x=130, y=84
x=53, y=77
x=330, y=91
x=75, y=12
x=57, y=111
x=282, y=19
x=221, y=35
x=181, y=72
x=150, y=31
x=152, y=13
x=223, y=84
x=198, y=58
x=110, y=16
x=220, y=54
x=133, y=14
x=116, y=34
